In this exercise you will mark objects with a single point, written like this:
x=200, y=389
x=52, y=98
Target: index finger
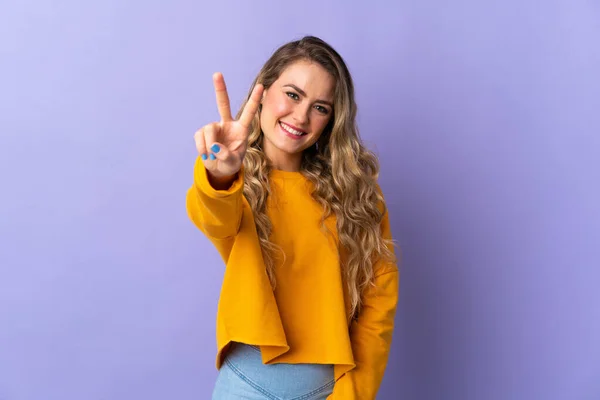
x=251, y=106
x=222, y=96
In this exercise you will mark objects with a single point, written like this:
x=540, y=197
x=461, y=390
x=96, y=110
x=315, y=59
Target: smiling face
x=296, y=108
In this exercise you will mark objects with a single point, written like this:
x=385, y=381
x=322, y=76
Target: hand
x=222, y=145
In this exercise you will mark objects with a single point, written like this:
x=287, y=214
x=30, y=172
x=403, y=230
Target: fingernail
x=203, y=156
x=215, y=148
x=212, y=157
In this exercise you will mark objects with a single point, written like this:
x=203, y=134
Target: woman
x=288, y=194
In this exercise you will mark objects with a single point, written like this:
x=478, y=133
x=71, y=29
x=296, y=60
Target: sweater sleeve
x=371, y=333
x=217, y=213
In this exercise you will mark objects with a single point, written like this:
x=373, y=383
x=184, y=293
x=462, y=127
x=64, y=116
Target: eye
x=293, y=95
x=322, y=110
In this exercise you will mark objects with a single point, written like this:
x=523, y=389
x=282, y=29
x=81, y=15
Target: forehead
x=310, y=77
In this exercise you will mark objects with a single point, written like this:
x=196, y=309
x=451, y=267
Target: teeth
x=290, y=130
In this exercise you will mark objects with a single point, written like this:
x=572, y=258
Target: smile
x=295, y=133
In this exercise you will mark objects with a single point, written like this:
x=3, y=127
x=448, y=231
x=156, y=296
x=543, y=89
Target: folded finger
x=200, y=143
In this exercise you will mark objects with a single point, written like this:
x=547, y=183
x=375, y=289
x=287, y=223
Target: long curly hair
x=343, y=173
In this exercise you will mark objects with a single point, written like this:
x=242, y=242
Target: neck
x=282, y=161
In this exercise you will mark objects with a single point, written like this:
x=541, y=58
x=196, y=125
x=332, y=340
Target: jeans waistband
x=297, y=381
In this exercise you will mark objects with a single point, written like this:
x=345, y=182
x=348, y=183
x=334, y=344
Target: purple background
x=486, y=118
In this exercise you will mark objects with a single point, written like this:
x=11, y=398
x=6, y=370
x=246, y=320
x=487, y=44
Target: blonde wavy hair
x=344, y=174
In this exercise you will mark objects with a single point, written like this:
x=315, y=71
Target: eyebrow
x=303, y=93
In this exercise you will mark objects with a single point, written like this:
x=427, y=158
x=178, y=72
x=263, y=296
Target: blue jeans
x=244, y=376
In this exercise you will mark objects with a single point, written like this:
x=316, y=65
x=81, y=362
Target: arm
x=371, y=333
x=215, y=201
x=216, y=212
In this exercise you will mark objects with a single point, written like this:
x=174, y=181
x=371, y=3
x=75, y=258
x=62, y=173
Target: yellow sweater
x=304, y=319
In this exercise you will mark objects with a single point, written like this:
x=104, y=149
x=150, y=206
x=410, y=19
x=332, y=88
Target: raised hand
x=222, y=145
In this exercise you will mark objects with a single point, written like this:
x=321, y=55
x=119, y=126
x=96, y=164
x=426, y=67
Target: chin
x=290, y=150
x=286, y=146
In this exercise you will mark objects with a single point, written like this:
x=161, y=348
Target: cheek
x=277, y=107
x=319, y=123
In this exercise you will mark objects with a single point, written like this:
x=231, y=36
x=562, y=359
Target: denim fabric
x=244, y=376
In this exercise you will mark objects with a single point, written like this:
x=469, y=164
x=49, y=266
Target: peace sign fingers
x=222, y=97
x=251, y=106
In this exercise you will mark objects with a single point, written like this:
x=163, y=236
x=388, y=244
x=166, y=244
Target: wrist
x=220, y=182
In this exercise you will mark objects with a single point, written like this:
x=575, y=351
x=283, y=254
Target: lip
x=289, y=134
x=293, y=127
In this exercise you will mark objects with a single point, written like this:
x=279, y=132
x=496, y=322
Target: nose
x=301, y=115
